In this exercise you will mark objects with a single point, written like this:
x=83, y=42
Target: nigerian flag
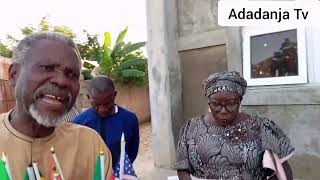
x=99, y=168
x=3, y=171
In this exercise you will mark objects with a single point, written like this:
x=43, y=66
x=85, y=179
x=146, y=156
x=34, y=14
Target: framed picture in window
x=274, y=56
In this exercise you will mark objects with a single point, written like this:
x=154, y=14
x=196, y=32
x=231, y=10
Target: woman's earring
x=209, y=109
x=240, y=108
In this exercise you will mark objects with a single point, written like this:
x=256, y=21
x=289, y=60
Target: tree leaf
x=88, y=64
x=27, y=30
x=65, y=30
x=132, y=47
x=132, y=73
x=116, y=50
x=86, y=74
x=132, y=62
x=96, y=71
x=107, y=40
x=121, y=36
x=44, y=24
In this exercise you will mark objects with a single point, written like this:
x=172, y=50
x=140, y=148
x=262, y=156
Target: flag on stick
x=36, y=171
x=6, y=161
x=124, y=169
x=29, y=174
x=56, y=164
x=3, y=171
x=99, y=171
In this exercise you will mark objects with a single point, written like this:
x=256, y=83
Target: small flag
x=5, y=160
x=57, y=172
x=3, y=171
x=29, y=174
x=99, y=173
x=36, y=171
x=128, y=173
x=26, y=175
x=54, y=174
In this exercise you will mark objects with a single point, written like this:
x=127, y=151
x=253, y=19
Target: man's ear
x=14, y=72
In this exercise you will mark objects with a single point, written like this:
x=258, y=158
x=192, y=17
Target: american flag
x=128, y=173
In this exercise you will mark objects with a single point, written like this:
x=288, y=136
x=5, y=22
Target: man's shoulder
x=127, y=112
x=129, y=117
x=71, y=129
x=83, y=116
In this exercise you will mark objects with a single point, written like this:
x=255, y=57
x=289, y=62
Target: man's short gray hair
x=26, y=43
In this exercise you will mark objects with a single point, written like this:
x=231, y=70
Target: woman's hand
x=287, y=170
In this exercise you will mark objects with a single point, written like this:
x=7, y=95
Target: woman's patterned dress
x=234, y=152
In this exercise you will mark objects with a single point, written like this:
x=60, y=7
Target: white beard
x=45, y=120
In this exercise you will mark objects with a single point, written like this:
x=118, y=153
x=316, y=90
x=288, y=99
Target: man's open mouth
x=53, y=99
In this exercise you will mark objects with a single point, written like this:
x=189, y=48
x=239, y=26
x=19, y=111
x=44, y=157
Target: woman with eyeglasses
x=229, y=144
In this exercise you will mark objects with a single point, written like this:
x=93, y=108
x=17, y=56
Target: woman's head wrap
x=225, y=81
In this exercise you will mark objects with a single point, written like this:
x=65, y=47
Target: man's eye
x=48, y=68
x=72, y=75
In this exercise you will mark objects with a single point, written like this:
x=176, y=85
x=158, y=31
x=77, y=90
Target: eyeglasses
x=229, y=106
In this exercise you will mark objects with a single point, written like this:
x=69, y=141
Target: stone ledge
x=302, y=94
x=207, y=39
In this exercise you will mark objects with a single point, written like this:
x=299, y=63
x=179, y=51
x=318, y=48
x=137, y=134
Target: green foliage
x=44, y=25
x=64, y=30
x=90, y=50
x=123, y=61
x=5, y=51
x=87, y=74
x=27, y=30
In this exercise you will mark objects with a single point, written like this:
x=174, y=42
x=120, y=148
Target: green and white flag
x=3, y=171
x=99, y=173
x=29, y=174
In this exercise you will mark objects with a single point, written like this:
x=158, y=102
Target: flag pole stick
x=57, y=162
x=123, y=145
x=101, y=157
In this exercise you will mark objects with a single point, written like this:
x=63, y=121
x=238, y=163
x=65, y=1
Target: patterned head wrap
x=225, y=81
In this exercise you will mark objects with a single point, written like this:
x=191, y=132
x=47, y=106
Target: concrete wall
x=294, y=107
x=301, y=123
x=202, y=50
x=197, y=17
x=197, y=64
x=164, y=67
x=136, y=99
x=205, y=47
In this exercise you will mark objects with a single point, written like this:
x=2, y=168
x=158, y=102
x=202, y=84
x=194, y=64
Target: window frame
x=302, y=78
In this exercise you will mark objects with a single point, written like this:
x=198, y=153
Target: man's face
x=47, y=84
x=103, y=103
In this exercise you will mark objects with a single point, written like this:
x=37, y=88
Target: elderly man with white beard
x=45, y=76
